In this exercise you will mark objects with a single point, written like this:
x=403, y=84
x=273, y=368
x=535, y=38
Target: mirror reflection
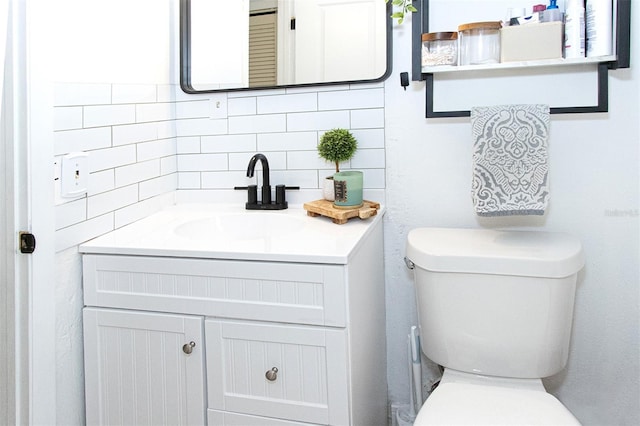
x=249, y=44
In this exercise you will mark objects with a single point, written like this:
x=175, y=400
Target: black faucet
x=266, y=187
x=252, y=190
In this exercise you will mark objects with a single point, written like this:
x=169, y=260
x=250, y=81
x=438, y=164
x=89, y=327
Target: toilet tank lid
x=489, y=251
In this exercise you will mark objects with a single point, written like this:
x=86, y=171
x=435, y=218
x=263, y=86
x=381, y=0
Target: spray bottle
x=552, y=13
x=574, y=29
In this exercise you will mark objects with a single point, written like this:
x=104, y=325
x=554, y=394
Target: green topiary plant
x=337, y=145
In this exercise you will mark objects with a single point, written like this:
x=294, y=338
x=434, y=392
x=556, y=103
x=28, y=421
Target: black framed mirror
x=265, y=44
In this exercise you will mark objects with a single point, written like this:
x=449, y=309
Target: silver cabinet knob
x=187, y=348
x=272, y=374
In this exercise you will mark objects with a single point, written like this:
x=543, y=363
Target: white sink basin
x=240, y=226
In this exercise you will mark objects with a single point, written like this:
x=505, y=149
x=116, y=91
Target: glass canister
x=480, y=43
x=439, y=49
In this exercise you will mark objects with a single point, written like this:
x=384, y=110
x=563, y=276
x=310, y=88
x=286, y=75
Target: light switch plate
x=218, y=106
x=74, y=176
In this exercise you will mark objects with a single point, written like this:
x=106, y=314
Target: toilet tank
x=497, y=303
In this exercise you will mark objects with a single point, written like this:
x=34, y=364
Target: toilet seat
x=474, y=404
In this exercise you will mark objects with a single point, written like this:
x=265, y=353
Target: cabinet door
x=138, y=371
x=307, y=371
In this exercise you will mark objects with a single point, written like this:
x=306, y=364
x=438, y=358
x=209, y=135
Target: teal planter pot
x=348, y=189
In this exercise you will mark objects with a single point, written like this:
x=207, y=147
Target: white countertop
x=222, y=231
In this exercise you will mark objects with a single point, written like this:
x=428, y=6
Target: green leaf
x=398, y=15
x=411, y=8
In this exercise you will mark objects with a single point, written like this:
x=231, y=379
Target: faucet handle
x=280, y=194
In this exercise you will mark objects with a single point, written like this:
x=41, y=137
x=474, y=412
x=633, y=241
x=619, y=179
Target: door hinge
x=293, y=24
x=27, y=242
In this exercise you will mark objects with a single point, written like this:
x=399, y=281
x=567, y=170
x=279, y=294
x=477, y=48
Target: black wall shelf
x=622, y=39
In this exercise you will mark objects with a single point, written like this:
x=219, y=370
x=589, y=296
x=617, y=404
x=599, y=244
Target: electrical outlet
x=74, y=175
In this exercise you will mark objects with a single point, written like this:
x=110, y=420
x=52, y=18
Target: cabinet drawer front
x=311, y=380
x=270, y=291
x=224, y=418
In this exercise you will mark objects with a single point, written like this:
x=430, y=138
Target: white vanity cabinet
x=274, y=343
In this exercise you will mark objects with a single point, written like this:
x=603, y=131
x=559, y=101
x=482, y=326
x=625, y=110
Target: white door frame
x=29, y=142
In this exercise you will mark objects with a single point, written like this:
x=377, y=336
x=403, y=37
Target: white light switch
x=75, y=174
x=218, y=106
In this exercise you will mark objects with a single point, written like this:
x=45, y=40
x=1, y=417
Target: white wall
x=594, y=178
x=422, y=166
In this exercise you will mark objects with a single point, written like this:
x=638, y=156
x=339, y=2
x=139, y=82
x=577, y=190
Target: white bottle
x=574, y=29
x=599, y=24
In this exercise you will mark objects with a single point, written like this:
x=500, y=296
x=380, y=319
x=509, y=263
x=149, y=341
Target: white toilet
x=495, y=310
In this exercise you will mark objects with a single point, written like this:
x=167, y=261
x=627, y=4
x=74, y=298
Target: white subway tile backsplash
x=167, y=92
x=168, y=165
x=228, y=143
x=143, y=209
x=301, y=160
x=201, y=127
x=240, y=161
x=166, y=129
x=292, y=141
x=134, y=93
x=112, y=200
x=287, y=103
x=109, y=158
x=73, y=94
x=155, y=112
x=367, y=118
x=156, y=149
x=225, y=180
x=66, y=118
x=188, y=145
x=256, y=93
x=195, y=109
x=258, y=123
x=241, y=106
x=189, y=180
x=132, y=133
x=137, y=172
x=71, y=213
x=81, y=140
x=373, y=178
x=303, y=178
x=108, y=115
x=351, y=99
x=83, y=231
x=370, y=85
x=369, y=138
x=324, y=120
x=368, y=159
x=157, y=186
x=317, y=89
x=101, y=182
x=202, y=162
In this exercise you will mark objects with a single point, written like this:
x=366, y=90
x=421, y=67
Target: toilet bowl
x=495, y=310
x=467, y=399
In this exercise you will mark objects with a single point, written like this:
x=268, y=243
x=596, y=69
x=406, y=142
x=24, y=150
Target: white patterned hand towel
x=510, y=159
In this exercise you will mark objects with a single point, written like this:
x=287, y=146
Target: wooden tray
x=341, y=215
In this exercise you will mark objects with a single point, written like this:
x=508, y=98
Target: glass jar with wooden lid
x=479, y=43
x=439, y=48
